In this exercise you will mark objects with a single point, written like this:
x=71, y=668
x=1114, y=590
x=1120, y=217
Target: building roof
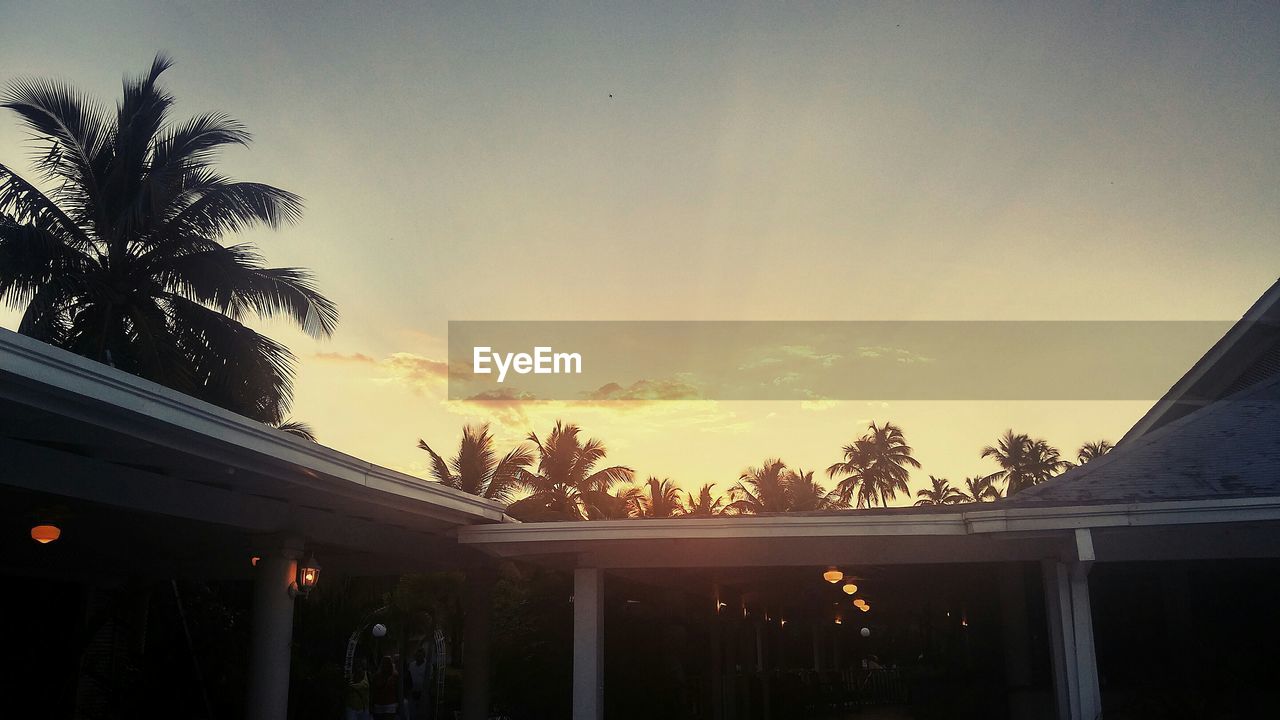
x=1229, y=449
x=1248, y=353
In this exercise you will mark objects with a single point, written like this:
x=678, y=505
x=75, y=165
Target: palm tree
x=761, y=489
x=874, y=467
x=123, y=260
x=942, y=493
x=1093, y=450
x=980, y=488
x=659, y=498
x=476, y=468
x=705, y=505
x=566, y=485
x=297, y=428
x=1024, y=461
x=804, y=494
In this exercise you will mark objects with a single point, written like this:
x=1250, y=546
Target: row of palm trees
x=561, y=477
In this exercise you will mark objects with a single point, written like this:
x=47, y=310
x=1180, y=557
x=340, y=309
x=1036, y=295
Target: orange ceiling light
x=832, y=575
x=849, y=588
x=45, y=534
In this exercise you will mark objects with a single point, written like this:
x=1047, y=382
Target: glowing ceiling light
x=832, y=575
x=849, y=588
x=45, y=534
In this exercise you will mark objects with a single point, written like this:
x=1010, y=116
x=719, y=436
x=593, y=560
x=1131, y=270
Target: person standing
x=355, y=699
x=417, y=685
x=384, y=690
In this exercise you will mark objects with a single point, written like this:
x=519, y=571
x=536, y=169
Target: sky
x=717, y=161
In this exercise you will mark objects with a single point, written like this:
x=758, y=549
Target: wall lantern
x=45, y=534
x=849, y=588
x=832, y=575
x=308, y=576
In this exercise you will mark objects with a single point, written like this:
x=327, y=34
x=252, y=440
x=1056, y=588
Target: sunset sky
x=718, y=162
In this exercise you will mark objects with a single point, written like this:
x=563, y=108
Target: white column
x=588, y=644
x=1057, y=601
x=1086, y=659
x=269, y=654
x=476, y=668
x=1075, y=664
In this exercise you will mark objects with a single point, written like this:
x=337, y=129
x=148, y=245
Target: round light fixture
x=865, y=632
x=45, y=534
x=849, y=588
x=379, y=630
x=832, y=575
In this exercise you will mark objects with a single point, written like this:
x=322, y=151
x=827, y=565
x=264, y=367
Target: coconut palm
x=1093, y=450
x=761, y=489
x=476, y=468
x=1024, y=461
x=980, y=488
x=298, y=428
x=566, y=485
x=874, y=468
x=941, y=493
x=658, y=498
x=805, y=494
x=122, y=260
x=706, y=504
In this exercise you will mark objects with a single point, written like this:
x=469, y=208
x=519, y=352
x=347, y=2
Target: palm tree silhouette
x=706, y=504
x=874, y=467
x=566, y=485
x=123, y=261
x=1092, y=450
x=980, y=488
x=476, y=468
x=658, y=498
x=761, y=489
x=1024, y=461
x=805, y=494
x=942, y=493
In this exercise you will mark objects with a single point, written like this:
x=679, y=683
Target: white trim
x=91, y=391
x=891, y=523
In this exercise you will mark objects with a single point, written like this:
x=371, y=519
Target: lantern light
x=254, y=560
x=308, y=576
x=849, y=588
x=839, y=621
x=832, y=575
x=45, y=534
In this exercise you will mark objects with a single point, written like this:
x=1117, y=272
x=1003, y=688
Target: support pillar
x=1075, y=665
x=269, y=649
x=476, y=669
x=588, y=644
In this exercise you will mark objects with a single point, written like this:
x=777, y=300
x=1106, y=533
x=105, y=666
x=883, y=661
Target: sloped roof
x=1247, y=354
x=1229, y=449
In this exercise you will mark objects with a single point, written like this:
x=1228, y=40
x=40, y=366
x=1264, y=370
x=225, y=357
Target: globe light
x=865, y=632
x=849, y=588
x=45, y=534
x=832, y=575
x=379, y=630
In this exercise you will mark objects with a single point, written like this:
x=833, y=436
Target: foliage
x=122, y=261
x=874, y=467
x=476, y=468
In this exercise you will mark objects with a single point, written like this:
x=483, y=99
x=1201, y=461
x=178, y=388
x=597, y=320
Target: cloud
x=907, y=357
x=669, y=389
x=336, y=357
